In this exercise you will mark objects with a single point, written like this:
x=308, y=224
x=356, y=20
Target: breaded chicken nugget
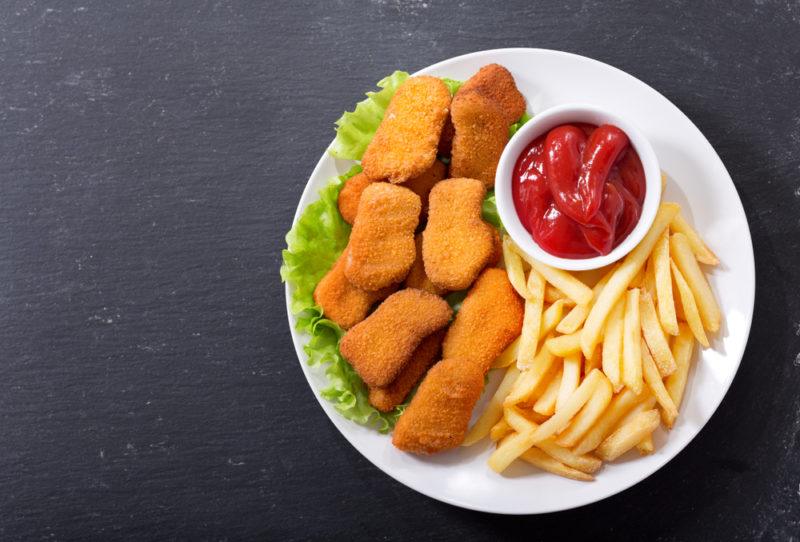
x=342, y=302
x=350, y=195
x=438, y=416
x=423, y=184
x=417, y=278
x=380, y=347
x=385, y=399
x=495, y=82
x=405, y=143
x=489, y=320
x=381, y=248
x=457, y=244
x=446, y=141
x=481, y=135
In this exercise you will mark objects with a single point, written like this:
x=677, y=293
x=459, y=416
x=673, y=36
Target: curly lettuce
x=313, y=245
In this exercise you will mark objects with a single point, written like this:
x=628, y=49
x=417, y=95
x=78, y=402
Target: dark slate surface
x=152, y=157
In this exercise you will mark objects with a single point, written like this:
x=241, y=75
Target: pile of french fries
x=597, y=369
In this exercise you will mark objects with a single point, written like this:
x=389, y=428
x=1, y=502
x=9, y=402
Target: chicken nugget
x=416, y=277
x=342, y=302
x=495, y=82
x=446, y=140
x=379, y=347
x=481, y=135
x=457, y=244
x=438, y=416
x=405, y=144
x=423, y=184
x=350, y=195
x=381, y=248
x=385, y=399
x=490, y=318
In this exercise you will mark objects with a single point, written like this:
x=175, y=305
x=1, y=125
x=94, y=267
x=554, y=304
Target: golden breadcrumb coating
x=350, y=195
x=385, y=399
x=381, y=248
x=438, y=416
x=481, y=135
x=379, y=347
x=416, y=277
x=495, y=82
x=489, y=320
x=457, y=244
x=405, y=144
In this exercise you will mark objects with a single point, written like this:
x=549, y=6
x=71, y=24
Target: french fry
x=646, y=446
x=516, y=275
x=649, y=283
x=494, y=410
x=546, y=403
x=570, y=377
x=588, y=415
x=593, y=362
x=551, y=316
x=699, y=248
x=559, y=421
x=620, y=405
x=654, y=336
x=499, y=430
x=538, y=458
x=618, y=283
x=553, y=294
x=684, y=258
x=612, y=345
x=638, y=280
x=687, y=303
x=682, y=350
x=530, y=378
x=663, y=278
x=508, y=449
x=653, y=379
x=646, y=404
x=575, y=318
x=631, y=345
x=628, y=435
x=564, y=345
x=532, y=321
x=508, y=356
x=569, y=285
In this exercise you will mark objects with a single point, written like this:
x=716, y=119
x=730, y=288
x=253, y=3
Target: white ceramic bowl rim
x=540, y=124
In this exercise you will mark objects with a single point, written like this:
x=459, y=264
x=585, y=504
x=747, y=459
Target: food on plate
x=483, y=109
x=382, y=345
x=387, y=398
x=489, y=320
x=342, y=302
x=593, y=362
x=350, y=195
x=381, y=249
x=406, y=141
x=416, y=276
x=457, y=244
x=579, y=189
x=422, y=184
x=437, y=417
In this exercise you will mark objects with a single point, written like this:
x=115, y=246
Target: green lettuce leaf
x=452, y=85
x=489, y=211
x=354, y=129
x=313, y=245
x=517, y=125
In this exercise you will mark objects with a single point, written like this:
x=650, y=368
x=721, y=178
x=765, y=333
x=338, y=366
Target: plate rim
x=339, y=421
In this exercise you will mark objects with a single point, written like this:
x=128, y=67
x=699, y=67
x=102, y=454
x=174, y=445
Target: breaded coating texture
x=380, y=347
x=381, y=247
x=350, y=195
x=481, y=135
x=405, y=143
x=342, y=302
x=496, y=83
x=446, y=141
x=416, y=277
x=457, y=244
x=489, y=320
x=423, y=184
x=385, y=399
x=438, y=416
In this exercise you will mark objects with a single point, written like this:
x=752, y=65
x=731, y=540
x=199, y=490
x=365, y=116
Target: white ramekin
x=540, y=124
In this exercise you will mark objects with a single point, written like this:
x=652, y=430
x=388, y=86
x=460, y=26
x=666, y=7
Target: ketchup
x=579, y=189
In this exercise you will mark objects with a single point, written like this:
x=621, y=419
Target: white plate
x=697, y=180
